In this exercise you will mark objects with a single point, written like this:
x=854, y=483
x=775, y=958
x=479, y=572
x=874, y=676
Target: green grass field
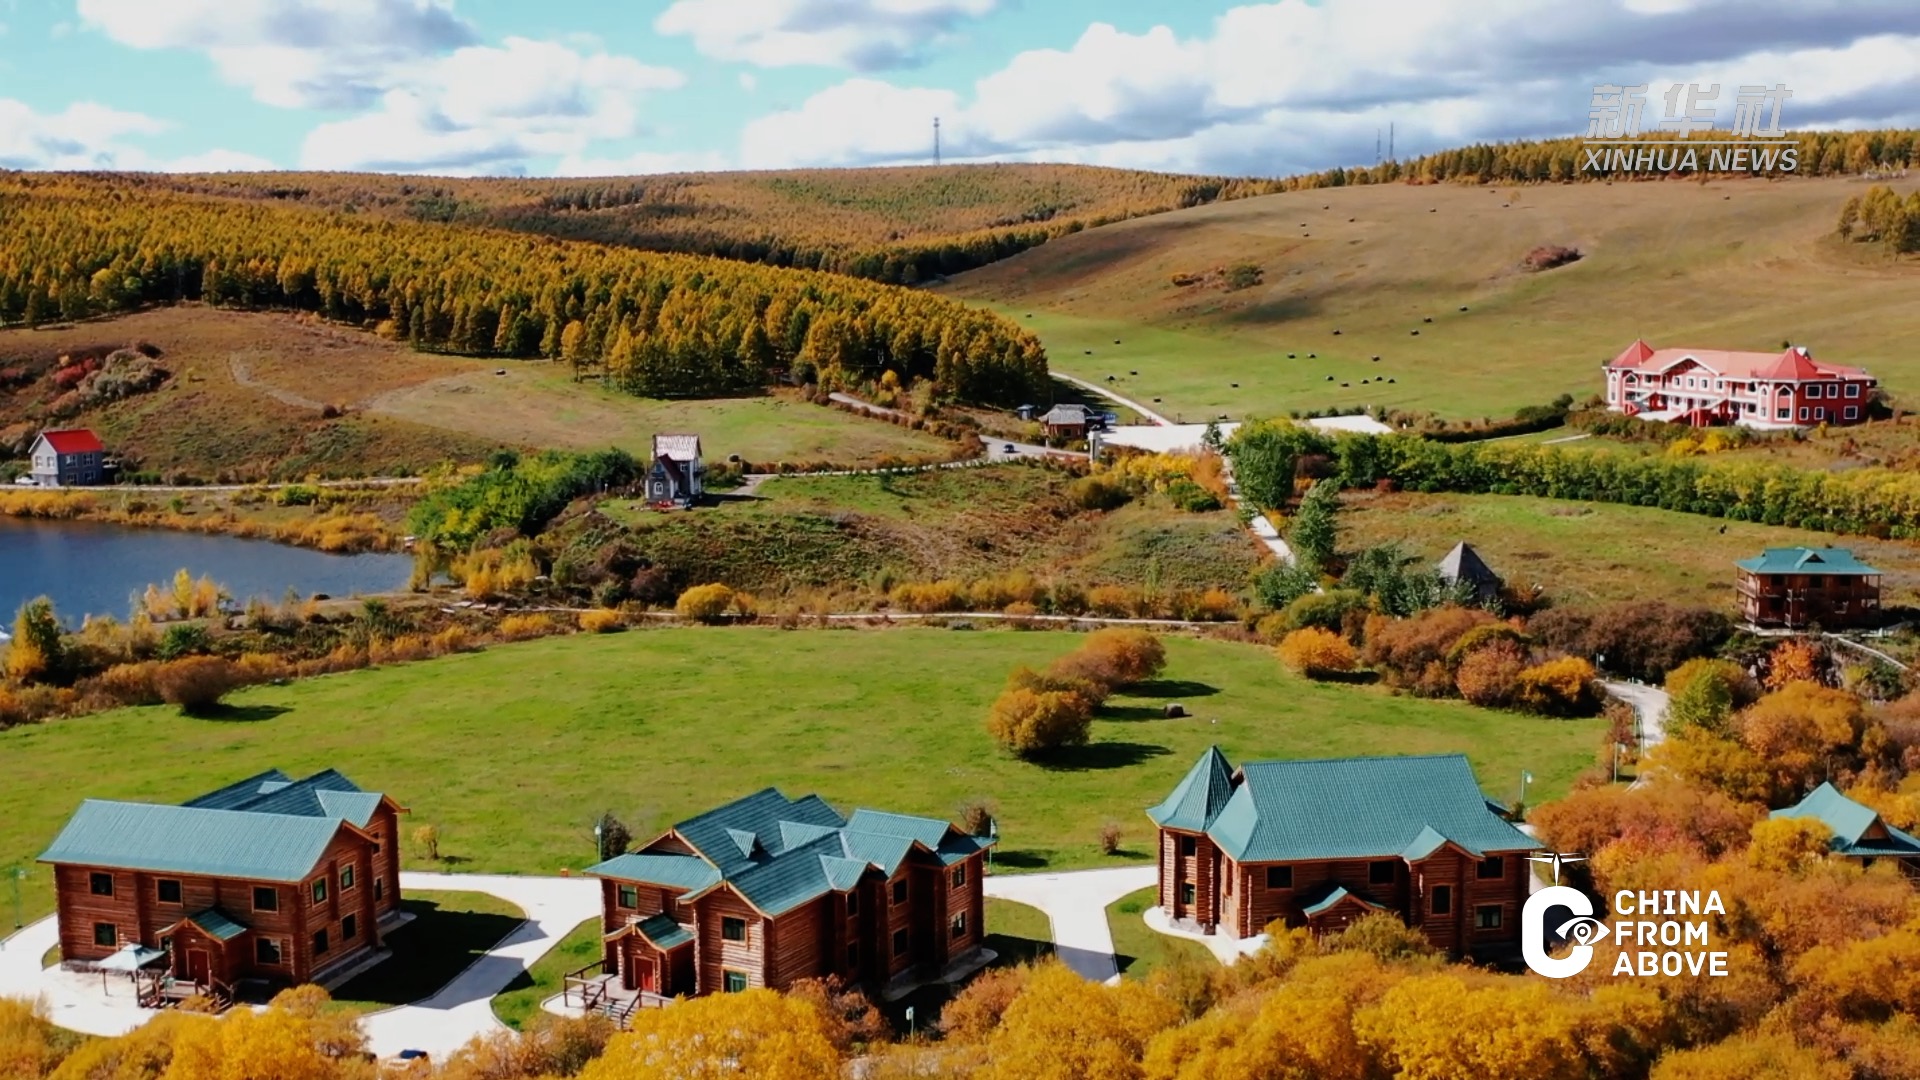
x=1139, y=949
x=519, y=1003
x=1017, y=932
x=513, y=752
x=449, y=931
x=1727, y=264
x=1597, y=552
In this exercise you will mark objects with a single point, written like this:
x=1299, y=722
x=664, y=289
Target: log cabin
x=767, y=890
x=1858, y=830
x=1320, y=843
x=1800, y=587
x=270, y=879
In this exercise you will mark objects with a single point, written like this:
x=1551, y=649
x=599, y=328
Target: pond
x=95, y=569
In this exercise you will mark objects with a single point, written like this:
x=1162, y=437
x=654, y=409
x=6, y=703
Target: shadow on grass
x=1351, y=678
x=1132, y=714
x=427, y=953
x=1171, y=688
x=1017, y=950
x=1101, y=755
x=1019, y=860
x=236, y=714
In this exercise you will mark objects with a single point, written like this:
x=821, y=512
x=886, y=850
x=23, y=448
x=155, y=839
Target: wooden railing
x=592, y=991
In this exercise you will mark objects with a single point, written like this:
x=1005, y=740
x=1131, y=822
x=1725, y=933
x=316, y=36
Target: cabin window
x=1820, y=414
x=1853, y=389
x=1279, y=877
x=100, y=884
x=104, y=933
x=1442, y=899
x=1816, y=390
x=266, y=950
x=958, y=925
x=629, y=896
x=1803, y=412
x=1783, y=414
x=168, y=890
x=376, y=888
x=1188, y=894
x=899, y=943
x=900, y=891
x=853, y=954
x=732, y=929
x=1493, y=866
x=736, y=982
x=266, y=898
x=1187, y=845
x=1853, y=412
x=1380, y=873
x=349, y=928
x=346, y=878
x=853, y=904
x=960, y=876
x=320, y=890
x=1487, y=917
x=320, y=943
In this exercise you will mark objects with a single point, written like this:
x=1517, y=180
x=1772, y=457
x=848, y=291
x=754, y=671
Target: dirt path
x=243, y=376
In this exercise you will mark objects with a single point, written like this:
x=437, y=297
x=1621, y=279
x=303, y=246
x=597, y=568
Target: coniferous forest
x=662, y=325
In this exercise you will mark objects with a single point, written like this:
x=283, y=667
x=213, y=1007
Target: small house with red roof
x=73, y=457
x=1768, y=391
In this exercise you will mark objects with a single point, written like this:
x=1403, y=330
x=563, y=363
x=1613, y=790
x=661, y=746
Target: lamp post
x=16, y=874
x=1618, y=749
x=993, y=834
x=1525, y=779
x=600, y=838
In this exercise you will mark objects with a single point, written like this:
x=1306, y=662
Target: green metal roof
x=1429, y=841
x=1352, y=808
x=663, y=931
x=193, y=840
x=1804, y=560
x=780, y=853
x=1850, y=821
x=686, y=872
x=1199, y=796
x=217, y=924
x=1331, y=898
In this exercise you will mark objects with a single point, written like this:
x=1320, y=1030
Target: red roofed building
x=68, y=458
x=1702, y=387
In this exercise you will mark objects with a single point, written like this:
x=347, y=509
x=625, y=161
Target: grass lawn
x=514, y=751
x=50, y=957
x=1597, y=552
x=1137, y=948
x=1018, y=932
x=1726, y=264
x=449, y=931
x=519, y=1003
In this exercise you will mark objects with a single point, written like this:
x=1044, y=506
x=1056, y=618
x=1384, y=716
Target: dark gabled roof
x=1067, y=414
x=1353, y=808
x=1805, y=560
x=1330, y=896
x=267, y=827
x=74, y=441
x=779, y=853
x=1199, y=796
x=1464, y=564
x=663, y=932
x=216, y=924
x=1850, y=822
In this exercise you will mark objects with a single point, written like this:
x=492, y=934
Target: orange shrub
x=254, y=668
x=704, y=603
x=1490, y=675
x=523, y=627
x=1112, y=601
x=1562, y=687
x=1118, y=656
x=194, y=683
x=399, y=650
x=1791, y=662
x=602, y=621
x=1403, y=650
x=930, y=597
x=1316, y=653
x=454, y=639
x=1030, y=722
x=129, y=684
x=975, y=1011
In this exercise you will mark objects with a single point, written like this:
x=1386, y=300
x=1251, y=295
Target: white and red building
x=1703, y=387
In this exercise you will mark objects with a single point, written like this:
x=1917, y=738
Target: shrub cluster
x=1040, y=711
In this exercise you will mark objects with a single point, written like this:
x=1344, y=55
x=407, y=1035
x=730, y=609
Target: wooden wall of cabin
x=330, y=913
x=385, y=830
x=967, y=898
x=796, y=942
x=718, y=955
x=138, y=914
x=899, y=917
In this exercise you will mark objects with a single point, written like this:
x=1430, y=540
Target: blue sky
x=545, y=87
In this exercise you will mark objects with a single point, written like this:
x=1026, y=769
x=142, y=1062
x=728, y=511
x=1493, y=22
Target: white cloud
x=748, y=82
x=488, y=109
x=864, y=35
x=290, y=53
x=85, y=135
x=60, y=30
x=1288, y=86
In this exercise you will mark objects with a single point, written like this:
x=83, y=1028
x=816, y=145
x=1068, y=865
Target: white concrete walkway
x=1228, y=950
x=463, y=1009
x=1650, y=706
x=1076, y=904
x=72, y=1000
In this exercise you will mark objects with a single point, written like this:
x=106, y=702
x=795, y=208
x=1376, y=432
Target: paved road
x=152, y=489
x=1093, y=387
x=1650, y=705
x=463, y=1009
x=1076, y=904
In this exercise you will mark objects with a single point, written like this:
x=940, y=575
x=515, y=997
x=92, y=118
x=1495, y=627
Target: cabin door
x=198, y=969
x=645, y=977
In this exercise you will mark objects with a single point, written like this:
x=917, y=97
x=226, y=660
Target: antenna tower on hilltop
x=936, y=140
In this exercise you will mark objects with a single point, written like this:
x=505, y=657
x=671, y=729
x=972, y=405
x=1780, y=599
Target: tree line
x=663, y=325
x=1882, y=216
x=1870, y=501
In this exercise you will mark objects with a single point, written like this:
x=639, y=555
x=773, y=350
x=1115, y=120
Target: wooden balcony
x=592, y=990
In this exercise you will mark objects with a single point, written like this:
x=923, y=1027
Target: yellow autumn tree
x=1751, y=1057
x=281, y=1042
x=758, y=1034
x=1063, y=1027
x=1797, y=728
x=1791, y=662
x=26, y=1040
x=1437, y=1027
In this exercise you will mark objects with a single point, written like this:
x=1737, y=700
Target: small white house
x=68, y=458
x=678, y=475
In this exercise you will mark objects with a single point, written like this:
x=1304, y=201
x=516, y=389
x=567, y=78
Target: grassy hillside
x=1726, y=264
x=902, y=224
x=513, y=752
x=248, y=393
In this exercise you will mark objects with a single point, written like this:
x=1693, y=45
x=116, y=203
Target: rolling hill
x=1349, y=273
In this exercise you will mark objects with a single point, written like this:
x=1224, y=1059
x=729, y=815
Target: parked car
x=1008, y=449
x=25, y=481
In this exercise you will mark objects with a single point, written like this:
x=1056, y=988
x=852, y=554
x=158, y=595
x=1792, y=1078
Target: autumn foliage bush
x=704, y=603
x=1117, y=656
x=602, y=621
x=194, y=683
x=1031, y=722
x=1411, y=654
x=1489, y=676
x=1317, y=653
x=1563, y=687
